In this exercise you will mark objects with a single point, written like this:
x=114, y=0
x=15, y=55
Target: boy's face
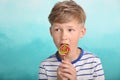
x=67, y=33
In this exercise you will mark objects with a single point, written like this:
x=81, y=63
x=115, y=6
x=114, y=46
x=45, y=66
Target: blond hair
x=65, y=11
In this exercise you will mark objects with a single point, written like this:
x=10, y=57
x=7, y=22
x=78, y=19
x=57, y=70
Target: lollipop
x=64, y=50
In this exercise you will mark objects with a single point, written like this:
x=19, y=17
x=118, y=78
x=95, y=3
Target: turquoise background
x=25, y=40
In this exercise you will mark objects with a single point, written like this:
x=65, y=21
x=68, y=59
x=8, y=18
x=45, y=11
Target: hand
x=66, y=71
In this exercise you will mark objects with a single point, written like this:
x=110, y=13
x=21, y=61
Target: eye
x=71, y=30
x=57, y=29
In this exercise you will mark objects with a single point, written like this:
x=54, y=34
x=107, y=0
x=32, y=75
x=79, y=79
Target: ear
x=82, y=32
x=50, y=30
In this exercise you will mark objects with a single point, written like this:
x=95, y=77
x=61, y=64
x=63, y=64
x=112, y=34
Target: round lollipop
x=64, y=50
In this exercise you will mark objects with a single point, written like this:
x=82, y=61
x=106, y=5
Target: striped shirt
x=87, y=65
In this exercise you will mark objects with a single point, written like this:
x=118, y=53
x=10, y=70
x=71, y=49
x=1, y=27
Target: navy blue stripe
x=52, y=76
x=43, y=79
x=85, y=64
x=51, y=70
x=80, y=69
x=98, y=64
x=89, y=68
x=88, y=58
x=57, y=56
x=87, y=53
x=54, y=61
x=48, y=70
x=84, y=74
x=81, y=54
x=51, y=65
x=42, y=74
x=98, y=70
x=99, y=75
x=42, y=67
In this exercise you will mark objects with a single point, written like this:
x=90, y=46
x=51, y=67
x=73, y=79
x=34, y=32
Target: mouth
x=64, y=44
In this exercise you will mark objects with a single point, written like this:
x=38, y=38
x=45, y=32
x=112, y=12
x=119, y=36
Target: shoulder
x=91, y=60
x=49, y=61
x=87, y=55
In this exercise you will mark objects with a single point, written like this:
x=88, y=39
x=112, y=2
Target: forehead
x=70, y=23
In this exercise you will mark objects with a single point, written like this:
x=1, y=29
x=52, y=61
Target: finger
x=66, y=75
x=69, y=75
x=66, y=65
x=69, y=71
x=60, y=75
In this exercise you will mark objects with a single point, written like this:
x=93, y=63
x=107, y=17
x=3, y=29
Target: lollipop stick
x=63, y=57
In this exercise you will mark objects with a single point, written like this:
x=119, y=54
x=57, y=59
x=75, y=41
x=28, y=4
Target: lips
x=64, y=49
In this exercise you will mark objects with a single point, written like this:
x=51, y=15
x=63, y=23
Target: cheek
x=75, y=39
x=56, y=39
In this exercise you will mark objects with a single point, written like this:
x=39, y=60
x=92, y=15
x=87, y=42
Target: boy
x=67, y=26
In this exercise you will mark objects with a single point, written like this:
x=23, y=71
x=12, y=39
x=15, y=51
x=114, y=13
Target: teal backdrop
x=25, y=40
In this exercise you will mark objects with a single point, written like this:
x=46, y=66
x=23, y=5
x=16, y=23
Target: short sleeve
x=42, y=72
x=98, y=71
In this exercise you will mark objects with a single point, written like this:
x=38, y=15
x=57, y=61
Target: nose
x=64, y=35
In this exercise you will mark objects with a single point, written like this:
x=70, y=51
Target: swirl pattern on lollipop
x=64, y=50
